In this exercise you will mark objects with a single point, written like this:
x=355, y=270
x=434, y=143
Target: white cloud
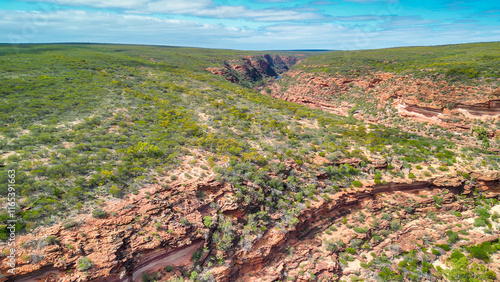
x=176, y=6
x=88, y=26
x=85, y=26
x=124, y=4
x=323, y=2
x=196, y=8
x=372, y=1
x=209, y=10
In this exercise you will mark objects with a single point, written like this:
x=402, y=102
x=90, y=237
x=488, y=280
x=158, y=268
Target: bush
x=456, y=255
x=185, y=221
x=299, y=197
x=479, y=253
x=70, y=224
x=207, y=221
x=115, y=191
x=51, y=240
x=357, y=184
x=193, y=275
x=443, y=168
x=395, y=225
x=459, y=72
x=359, y=230
x=147, y=278
x=99, y=213
x=352, y=251
x=445, y=247
x=84, y=264
x=332, y=246
x=452, y=236
x=490, y=275
x=479, y=222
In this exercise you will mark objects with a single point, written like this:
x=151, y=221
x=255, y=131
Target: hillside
x=147, y=163
x=453, y=86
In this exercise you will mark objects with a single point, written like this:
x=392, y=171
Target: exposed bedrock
x=426, y=111
x=270, y=248
x=489, y=108
x=256, y=68
x=130, y=255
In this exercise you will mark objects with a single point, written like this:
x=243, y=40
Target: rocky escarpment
x=162, y=227
x=252, y=69
x=450, y=105
x=298, y=253
x=488, y=108
x=159, y=226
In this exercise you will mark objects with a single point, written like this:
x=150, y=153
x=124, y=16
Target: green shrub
x=352, y=251
x=51, y=240
x=99, y=213
x=70, y=224
x=479, y=222
x=445, y=247
x=84, y=264
x=193, y=275
x=299, y=197
x=359, y=229
x=479, y=253
x=185, y=221
x=357, y=183
x=452, y=236
x=332, y=247
x=207, y=221
x=443, y=168
x=456, y=255
x=462, y=71
x=115, y=191
x=146, y=277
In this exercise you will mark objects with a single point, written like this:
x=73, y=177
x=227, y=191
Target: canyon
x=235, y=175
x=127, y=261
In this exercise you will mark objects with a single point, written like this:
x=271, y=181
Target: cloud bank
x=267, y=24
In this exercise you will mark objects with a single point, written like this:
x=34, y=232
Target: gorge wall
x=252, y=69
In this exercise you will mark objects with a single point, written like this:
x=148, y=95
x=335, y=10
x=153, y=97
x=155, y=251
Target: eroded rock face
x=302, y=252
x=131, y=243
x=256, y=68
x=431, y=101
x=163, y=226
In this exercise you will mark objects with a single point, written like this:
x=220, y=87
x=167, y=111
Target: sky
x=252, y=25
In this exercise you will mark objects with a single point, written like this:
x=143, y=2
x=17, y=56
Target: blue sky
x=252, y=25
